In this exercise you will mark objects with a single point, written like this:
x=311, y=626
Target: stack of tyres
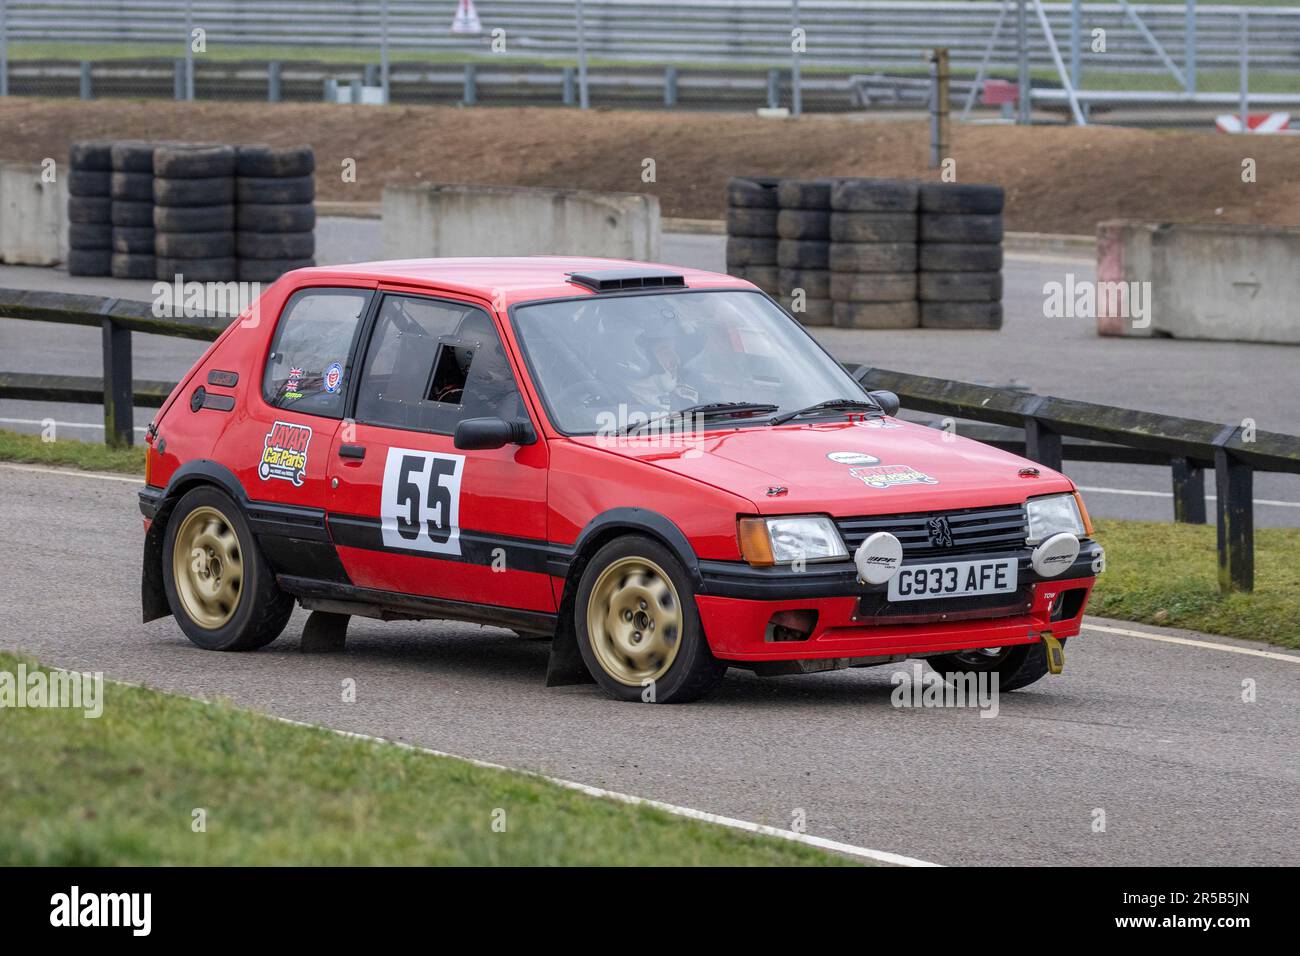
x=194, y=213
x=276, y=216
x=132, y=188
x=804, y=227
x=751, y=231
x=961, y=256
x=873, y=254
x=90, y=203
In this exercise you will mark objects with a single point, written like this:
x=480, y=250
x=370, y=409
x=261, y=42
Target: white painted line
x=42, y=422
x=1272, y=502
x=848, y=849
x=70, y=472
x=1189, y=642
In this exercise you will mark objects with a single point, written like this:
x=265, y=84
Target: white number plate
x=919, y=582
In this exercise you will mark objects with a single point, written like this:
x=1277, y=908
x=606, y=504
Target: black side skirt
x=317, y=595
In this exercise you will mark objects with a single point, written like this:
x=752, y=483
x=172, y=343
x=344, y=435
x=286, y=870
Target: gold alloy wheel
x=634, y=621
x=208, y=567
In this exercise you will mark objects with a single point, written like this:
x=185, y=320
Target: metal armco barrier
x=1110, y=434
x=1104, y=433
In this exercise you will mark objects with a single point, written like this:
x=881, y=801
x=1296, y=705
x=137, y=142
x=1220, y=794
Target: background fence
x=669, y=54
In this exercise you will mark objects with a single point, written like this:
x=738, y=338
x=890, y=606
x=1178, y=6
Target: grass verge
x=1167, y=574
x=121, y=789
x=78, y=454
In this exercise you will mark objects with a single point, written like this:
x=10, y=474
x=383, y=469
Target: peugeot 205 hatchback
x=657, y=467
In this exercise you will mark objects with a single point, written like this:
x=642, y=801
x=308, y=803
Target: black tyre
x=804, y=193
x=952, y=227
x=197, y=270
x=961, y=315
x=194, y=218
x=873, y=286
x=90, y=262
x=815, y=283
x=749, y=251
x=754, y=193
x=638, y=628
x=276, y=245
x=90, y=209
x=268, y=161
x=91, y=156
x=811, y=312
x=127, y=212
x=212, y=191
x=137, y=239
x=194, y=162
x=873, y=257
x=129, y=265
x=803, y=254
x=751, y=222
x=275, y=191
x=1016, y=667
x=287, y=217
x=134, y=187
x=873, y=227
x=90, y=235
x=961, y=286
x=765, y=277
x=195, y=245
x=874, y=195
x=89, y=182
x=133, y=156
x=268, y=270
x=973, y=199
x=803, y=224
x=877, y=315
x=219, y=586
x=958, y=257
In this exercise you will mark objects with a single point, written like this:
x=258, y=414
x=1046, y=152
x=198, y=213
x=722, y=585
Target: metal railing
x=1182, y=41
x=1099, y=433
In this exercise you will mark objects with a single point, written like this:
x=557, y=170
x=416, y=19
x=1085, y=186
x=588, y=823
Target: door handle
x=352, y=451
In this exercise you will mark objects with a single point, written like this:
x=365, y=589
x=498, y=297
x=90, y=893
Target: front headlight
x=1052, y=514
x=786, y=539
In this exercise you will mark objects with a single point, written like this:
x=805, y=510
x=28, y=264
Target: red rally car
x=657, y=467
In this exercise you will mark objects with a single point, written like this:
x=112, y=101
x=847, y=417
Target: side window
x=431, y=364
x=308, y=368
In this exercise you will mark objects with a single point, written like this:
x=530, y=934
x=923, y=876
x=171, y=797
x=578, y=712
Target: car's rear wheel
x=1017, y=666
x=220, y=588
x=638, y=628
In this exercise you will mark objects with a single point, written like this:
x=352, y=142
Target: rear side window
x=308, y=369
x=432, y=363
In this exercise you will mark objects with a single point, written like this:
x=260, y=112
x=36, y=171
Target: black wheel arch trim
x=631, y=520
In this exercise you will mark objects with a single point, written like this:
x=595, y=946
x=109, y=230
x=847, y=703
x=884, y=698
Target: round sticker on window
x=853, y=458
x=333, y=377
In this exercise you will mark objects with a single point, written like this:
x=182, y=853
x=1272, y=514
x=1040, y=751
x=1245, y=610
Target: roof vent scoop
x=616, y=280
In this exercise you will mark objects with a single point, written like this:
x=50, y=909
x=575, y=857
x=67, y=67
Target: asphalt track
x=1153, y=732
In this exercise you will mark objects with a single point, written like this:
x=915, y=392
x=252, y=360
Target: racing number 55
x=420, y=505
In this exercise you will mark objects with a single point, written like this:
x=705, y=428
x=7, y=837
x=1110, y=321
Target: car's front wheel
x=220, y=588
x=638, y=628
x=1017, y=666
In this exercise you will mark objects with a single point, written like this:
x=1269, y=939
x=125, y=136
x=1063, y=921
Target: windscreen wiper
x=831, y=404
x=706, y=410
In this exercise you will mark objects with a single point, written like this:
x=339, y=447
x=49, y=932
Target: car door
x=411, y=513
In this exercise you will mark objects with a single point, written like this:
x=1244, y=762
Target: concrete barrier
x=32, y=216
x=1212, y=281
x=429, y=220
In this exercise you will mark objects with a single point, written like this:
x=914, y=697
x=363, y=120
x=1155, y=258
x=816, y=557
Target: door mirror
x=476, y=434
x=886, y=400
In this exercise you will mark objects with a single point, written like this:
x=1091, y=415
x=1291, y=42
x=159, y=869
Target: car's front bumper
x=737, y=604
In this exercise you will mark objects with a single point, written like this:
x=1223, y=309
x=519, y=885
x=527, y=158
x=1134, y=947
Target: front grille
x=974, y=531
